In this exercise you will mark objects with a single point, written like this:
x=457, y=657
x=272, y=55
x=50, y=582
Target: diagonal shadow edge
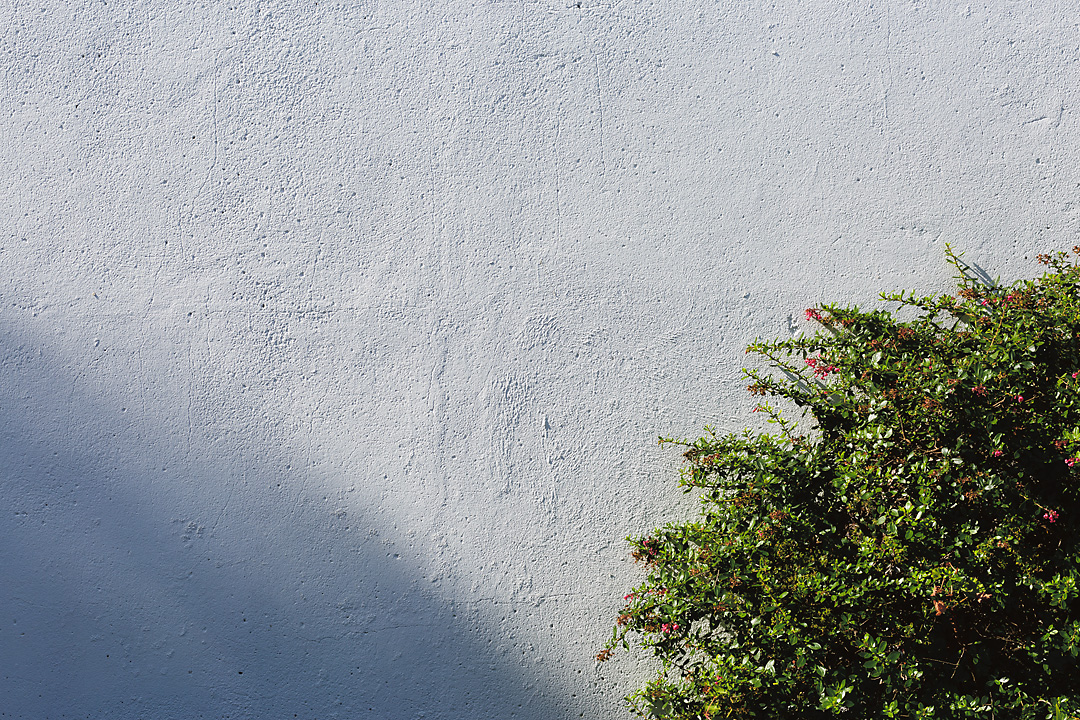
x=141, y=580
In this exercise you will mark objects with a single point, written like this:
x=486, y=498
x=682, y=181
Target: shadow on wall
x=140, y=581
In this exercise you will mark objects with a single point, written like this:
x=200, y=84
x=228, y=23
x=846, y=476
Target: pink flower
x=997, y=453
x=821, y=370
x=1019, y=398
x=813, y=314
x=1075, y=374
x=1072, y=461
x=666, y=628
x=1050, y=516
x=627, y=597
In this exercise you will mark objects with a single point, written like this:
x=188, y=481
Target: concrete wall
x=335, y=337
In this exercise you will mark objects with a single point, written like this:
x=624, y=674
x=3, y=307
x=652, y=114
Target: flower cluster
x=1050, y=515
x=1011, y=297
x=821, y=368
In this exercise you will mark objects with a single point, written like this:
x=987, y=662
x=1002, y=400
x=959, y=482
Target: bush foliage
x=911, y=549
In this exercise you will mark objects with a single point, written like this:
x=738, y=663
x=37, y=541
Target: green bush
x=911, y=553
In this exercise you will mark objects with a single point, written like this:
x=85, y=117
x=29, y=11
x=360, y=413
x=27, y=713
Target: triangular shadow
x=142, y=582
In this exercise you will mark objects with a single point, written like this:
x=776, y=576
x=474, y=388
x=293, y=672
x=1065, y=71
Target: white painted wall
x=335, y=337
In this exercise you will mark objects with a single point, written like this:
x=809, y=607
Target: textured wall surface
x=335, y=337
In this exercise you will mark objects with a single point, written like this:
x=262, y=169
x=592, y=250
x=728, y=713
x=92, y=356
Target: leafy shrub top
x=913, y=553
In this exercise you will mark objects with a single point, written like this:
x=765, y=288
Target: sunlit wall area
x=335, y=338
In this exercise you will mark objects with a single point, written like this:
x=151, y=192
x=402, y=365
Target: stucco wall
x=335, y=337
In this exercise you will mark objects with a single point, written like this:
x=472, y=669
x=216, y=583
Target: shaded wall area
x=146, y=579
